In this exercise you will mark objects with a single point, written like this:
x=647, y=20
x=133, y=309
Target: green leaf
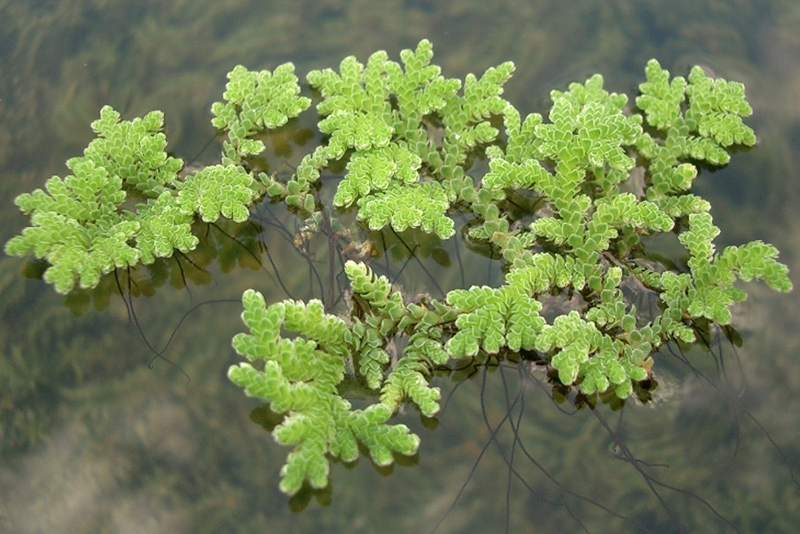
x=661, y=99
x=216, y=190
x=134, y=151
x=422, y=205
x=256, y=101
x=163, y=228
x=716, y=107
x=373, y=170
x=299, y=377
x=76, y=227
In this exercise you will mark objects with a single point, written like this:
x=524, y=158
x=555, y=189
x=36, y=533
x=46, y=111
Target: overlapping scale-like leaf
x=716, y=108
x=216, y=190
x=422, y=205
x=163, y=228
x=490, y=318
x=588, y=128
x=661, y=99
x=134, y=151
x=299, y=377
x=256, y=101
x=77, y=228
x=373, y=170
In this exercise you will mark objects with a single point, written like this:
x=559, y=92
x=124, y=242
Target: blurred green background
x=94, y=440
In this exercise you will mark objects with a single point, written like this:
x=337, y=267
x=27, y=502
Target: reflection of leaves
x=266, y=418
x=412, y=243
x=237, y=244
x=227, y=242
x=286, y=139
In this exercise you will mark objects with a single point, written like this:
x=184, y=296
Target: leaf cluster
x=79, y=223
x=256, y=101
x=124, y=203
x=297, y=358
x=397, y=125
x=599, y=176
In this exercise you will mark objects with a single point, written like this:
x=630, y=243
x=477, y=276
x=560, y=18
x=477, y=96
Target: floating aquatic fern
x=219, y=190
x=381, y=112
x=300, y=378
x=79, y=223
x=601, y=178
x=134, y=150
x=85, y=226
x=255, y=102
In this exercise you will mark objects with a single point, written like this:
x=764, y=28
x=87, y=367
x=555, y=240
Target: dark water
x=93, y=440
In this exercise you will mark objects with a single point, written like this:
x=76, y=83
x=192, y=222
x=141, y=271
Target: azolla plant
x=570, y=205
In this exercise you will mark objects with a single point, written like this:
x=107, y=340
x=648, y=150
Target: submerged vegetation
x=572, y=207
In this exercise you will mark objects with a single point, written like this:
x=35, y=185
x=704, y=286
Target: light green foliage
x=410, y=377
x=372, y=359
x=575, y=338
x=699, y=119
x=575, y=164
x=386, y=115
x=372, y=171
x=492, y=318
x=716, y=108
x=419, y=205
x=256, y=102
x=376, y=293
x=82, y=224
x=216, y=190
x=711, y=291
x=76, y=227
x=466, y=118
x=756, y=260
x=384, y=316
x=567, y=203
x=134, y=151
x=588, y=144
x=78, y=223
x=299, y=377
x=164, y=225
x=660, y=98
x=381, y=309
x=587, y=129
